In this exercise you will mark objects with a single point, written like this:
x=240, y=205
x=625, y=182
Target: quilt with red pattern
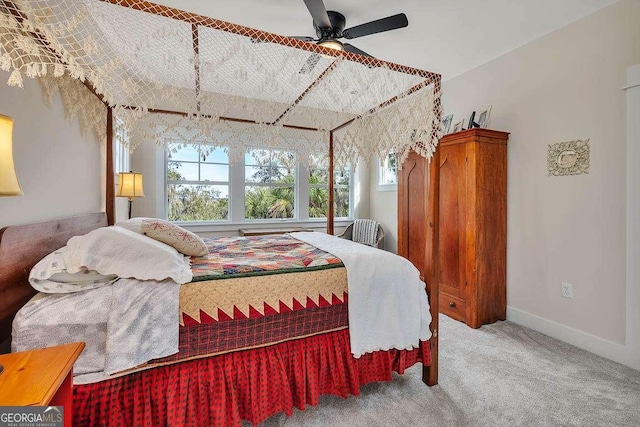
x=251, y=292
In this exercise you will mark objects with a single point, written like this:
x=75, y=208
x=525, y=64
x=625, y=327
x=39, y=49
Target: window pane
x=269, y=172
x=185, y=153
x=214, y=172
x=342, y=178
x=178, y=171
x=269, y=202
x=388, y=172
x=216, y=156
x=285, y=159
x=318, y=202
x=197, y=202
x=319, y=162
x=318, y=176
x=389, y=177
x=341, y=201
x=257, y=174
x=282, y=176
x=257, y=157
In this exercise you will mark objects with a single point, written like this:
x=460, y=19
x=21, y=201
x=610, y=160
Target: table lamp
x=9, y=185
x=130, y=186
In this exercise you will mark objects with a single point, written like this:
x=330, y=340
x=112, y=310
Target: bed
x=174, y=69
x=225, y=384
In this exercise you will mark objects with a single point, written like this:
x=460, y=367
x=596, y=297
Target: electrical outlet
x=567, y=290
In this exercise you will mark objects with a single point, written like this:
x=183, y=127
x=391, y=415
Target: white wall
x=631, y=350
x=148, y=159
x=60, y=172
x=562, y=87
x=383, y=207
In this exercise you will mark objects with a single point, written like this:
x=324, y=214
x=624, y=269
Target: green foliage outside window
x=270, y=188
x=193, y=202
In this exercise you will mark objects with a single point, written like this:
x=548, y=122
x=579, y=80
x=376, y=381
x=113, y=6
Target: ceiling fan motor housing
x=338, y=22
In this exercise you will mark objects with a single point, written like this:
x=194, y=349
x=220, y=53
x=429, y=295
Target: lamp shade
x=9, y=185
x=130, y=185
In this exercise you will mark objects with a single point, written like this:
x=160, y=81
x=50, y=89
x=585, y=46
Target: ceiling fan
x=329, y=26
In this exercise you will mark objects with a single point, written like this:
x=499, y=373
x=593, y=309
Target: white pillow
x=116, y=250
x=167, y=232
x=50, y=275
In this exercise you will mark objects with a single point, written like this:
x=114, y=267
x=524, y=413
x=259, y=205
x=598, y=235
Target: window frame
x=380, y=174
x=227, y=183
x=293, y=186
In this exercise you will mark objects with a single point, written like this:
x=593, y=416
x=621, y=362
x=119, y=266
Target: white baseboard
x=609, y=349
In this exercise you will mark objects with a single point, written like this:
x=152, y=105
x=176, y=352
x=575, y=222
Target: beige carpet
x=499, y=375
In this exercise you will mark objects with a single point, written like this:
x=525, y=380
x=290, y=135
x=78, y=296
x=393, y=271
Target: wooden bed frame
x=21, y=247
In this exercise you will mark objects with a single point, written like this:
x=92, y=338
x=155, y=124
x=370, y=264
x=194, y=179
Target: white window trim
x=384, y=187
x=387, y=187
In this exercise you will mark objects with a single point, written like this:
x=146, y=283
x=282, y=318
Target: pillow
x=116, y=250
x=50, y=275
x=166, y=232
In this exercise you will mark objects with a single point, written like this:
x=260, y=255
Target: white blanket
x=124, y=324
x=388, y=305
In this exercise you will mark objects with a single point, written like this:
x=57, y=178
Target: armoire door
x=412, y=211
x=452, y=237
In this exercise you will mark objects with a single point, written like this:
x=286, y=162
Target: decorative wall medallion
x=568, y=158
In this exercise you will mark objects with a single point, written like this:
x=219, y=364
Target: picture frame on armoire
x=458, y=126
x=484, y=116
x=446, y=123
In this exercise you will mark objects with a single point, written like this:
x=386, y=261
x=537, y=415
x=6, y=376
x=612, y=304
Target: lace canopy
x=177, y=77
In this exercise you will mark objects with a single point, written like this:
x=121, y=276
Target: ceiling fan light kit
x=331, y=44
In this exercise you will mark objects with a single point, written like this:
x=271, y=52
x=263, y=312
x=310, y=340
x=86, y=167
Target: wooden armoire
x=457, y=207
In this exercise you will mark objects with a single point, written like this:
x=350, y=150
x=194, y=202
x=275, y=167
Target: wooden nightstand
x=40, y=377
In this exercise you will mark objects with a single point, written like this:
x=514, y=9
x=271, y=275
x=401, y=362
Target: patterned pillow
x=166, y=232
x=50, y=275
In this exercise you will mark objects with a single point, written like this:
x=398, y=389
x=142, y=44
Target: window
x=388, y=173
x=341, y=197
x=197, y=184
x=261, y=185
x=269, y=184
x=120, y=147
x=319, y=192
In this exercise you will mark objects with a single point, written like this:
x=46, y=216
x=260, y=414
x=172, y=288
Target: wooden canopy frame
x=197, y=21
x=430, y=373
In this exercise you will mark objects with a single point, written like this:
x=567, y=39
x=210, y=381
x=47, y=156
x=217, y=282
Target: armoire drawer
x=453, y=307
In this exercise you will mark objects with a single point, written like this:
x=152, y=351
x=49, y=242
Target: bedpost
x=110, y=190
x=330, y=213
x=430, y=373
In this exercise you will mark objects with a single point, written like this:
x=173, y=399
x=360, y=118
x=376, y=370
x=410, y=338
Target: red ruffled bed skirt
x=250, y=385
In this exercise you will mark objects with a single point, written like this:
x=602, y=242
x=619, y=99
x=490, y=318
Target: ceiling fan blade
x=318, y=13
x=378, y=26
x=303, y=38
x=351, y=48
x=311, y=63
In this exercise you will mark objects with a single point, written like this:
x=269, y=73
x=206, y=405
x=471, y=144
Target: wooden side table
x=40, y=377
